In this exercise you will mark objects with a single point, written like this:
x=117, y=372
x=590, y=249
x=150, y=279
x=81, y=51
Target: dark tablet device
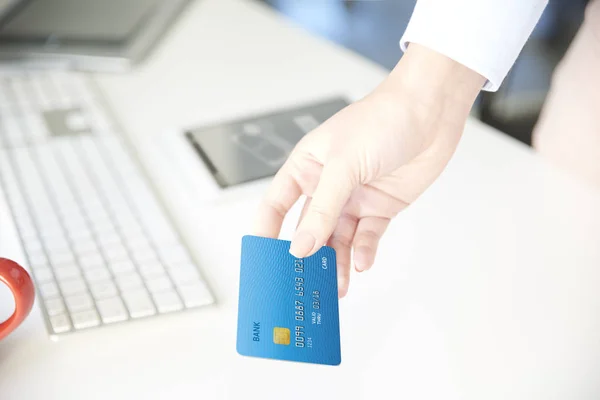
x=256, y=147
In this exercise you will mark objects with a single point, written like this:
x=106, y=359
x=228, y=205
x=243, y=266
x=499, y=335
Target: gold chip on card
x=281, y=336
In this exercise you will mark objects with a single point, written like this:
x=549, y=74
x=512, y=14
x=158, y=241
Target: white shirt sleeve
x=484, y=35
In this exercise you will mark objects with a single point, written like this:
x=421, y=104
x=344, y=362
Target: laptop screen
x=110, y=22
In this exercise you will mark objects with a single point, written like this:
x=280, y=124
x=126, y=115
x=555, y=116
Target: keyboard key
x=151, y=268
x=159, y=284
x=167, y=301
x=85, y=319
x=20, y=210
x=55, y=306
x=117, y=203
x=61, y=258
x=65, y=272
x=161, y=233
x=97, y=275
x=115, y=253
x=60, y=323
x=91, y=261
x=101, y=123
x=48, y=289
x=107, y=240
x=144, y=257
x=195, y=294
x=126, y=282
x=72, y=219
x=85, y=247
x=81, y=234
x=76, y=225
x=106, y=232
x=126, y=212
x=139, y=303
x=50, y=230
x=56, y=243
x=46, y=220
x=183, y=273
x=79, y=302
x=69, y=209
x=132, y=229
x=103, y=226
x=27, y=230
x=93, y=204
x=122, y=267
x=38, y=260
x=112, y=310
x=104, y=290
x=77, y=121
x=139, y=243
x=73, y=286
x=43, y=274
x=174, y=255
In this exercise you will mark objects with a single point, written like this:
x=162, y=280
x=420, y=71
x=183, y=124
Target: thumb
x=335, y=186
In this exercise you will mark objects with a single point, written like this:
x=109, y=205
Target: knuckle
x=322, y=214
x=368, y=238
x=341, y=239
x=343, y=273
x=276, y=206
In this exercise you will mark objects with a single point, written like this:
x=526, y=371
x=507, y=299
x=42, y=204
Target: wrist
x=435, y=82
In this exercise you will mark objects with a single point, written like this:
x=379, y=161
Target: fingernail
x=302, y=244
x=342, y=290
x=362, y=260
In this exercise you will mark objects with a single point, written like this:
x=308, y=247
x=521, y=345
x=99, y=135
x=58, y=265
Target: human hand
x=371, y=160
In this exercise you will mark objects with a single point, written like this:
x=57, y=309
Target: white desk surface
x=486, y=288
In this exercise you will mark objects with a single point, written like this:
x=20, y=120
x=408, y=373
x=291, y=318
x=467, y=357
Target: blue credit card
x=288, y=306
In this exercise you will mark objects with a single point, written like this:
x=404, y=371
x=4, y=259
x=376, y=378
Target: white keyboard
x=99, y=244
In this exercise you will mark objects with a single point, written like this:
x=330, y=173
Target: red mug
x=20, y=284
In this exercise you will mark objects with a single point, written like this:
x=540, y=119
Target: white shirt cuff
x=484, y=35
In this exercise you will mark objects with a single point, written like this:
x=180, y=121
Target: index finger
x=282, y=194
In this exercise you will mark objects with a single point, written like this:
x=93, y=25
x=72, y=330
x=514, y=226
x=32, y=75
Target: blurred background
x=373, y=28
